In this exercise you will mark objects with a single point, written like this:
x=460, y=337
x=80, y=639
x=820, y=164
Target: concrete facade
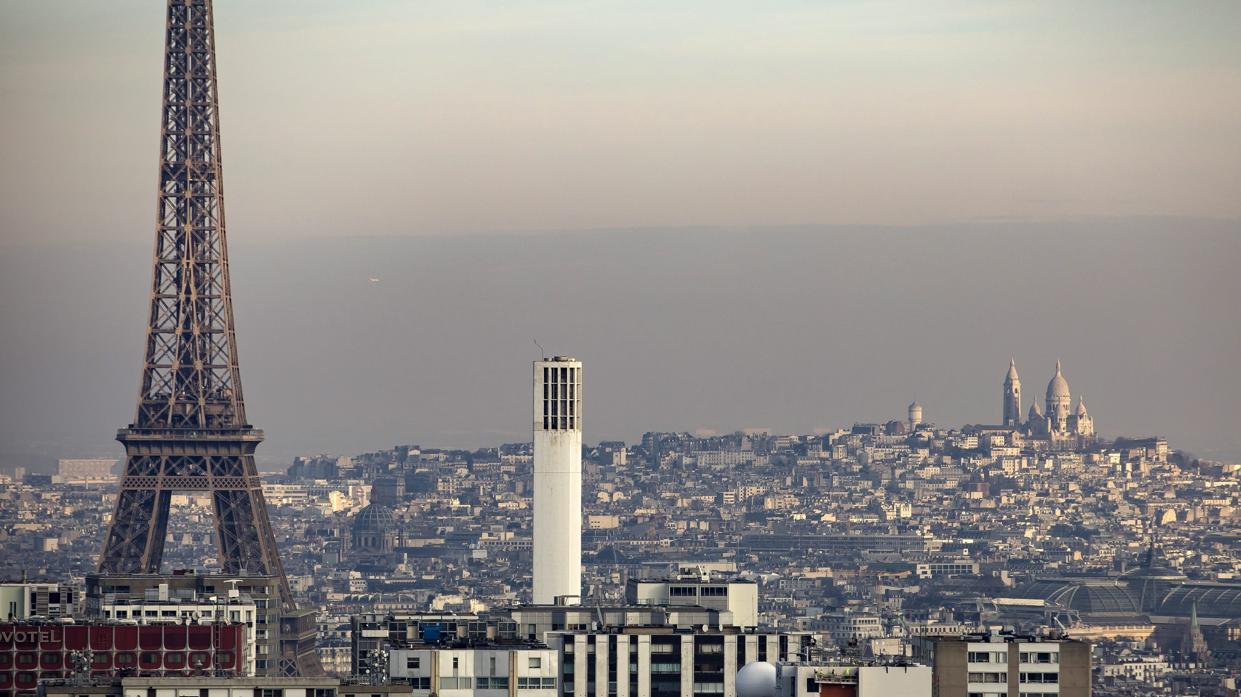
x=487, y=671
x=736, y=597
x=848, y=680
x=1004, y=665
x=557, y=480
x=662, y=662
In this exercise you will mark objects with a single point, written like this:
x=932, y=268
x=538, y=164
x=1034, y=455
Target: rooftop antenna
x=542, y=352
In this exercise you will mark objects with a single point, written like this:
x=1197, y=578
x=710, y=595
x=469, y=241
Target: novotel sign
x=12, y=635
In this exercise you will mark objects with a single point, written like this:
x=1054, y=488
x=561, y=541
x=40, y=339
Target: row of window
x=415, y=662
x=1023, y=693
x=1040, y=677
x=665, y=668
x=1002, y=657
x=691, y=591
x=499, y=683
x=493, y=683
x=988, y=677
x=536, y=683
x=207, y=613
x=174, y=659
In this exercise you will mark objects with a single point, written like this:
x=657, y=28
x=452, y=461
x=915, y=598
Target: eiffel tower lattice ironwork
x=190, y=432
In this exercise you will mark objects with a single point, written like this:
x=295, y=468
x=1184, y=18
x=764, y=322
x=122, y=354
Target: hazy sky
x=1057, y=180
x=387, y=117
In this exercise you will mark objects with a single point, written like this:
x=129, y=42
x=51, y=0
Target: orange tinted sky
x=439, y=117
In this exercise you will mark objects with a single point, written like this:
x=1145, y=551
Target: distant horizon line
x=1016, y=221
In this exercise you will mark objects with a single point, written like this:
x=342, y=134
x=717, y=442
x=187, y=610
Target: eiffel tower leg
x=245, y=537
x=135, y=541
x=240, y=551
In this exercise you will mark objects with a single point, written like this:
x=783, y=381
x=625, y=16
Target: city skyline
x=844, y=545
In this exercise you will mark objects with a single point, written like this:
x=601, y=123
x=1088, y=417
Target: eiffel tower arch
x=190, y=432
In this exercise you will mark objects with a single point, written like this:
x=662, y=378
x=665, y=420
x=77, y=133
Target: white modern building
x=70, y=471
x=736, y=599
x=638, y=661
x=852, y=628
x=165, y=607
x=951, y=567
x=487, y=671
x=25, y=599
x=557, y=480
x=853, y=680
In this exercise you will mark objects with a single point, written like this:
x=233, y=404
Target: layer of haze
x=814, y=212
x=793, y=330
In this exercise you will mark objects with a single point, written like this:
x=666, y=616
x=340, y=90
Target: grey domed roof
x=373, y=518
x=1058, y=387
x=1087, y=596
x=1208, y=599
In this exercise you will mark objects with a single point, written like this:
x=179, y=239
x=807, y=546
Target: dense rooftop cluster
x=866, y=536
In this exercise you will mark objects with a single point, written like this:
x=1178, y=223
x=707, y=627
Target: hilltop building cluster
x=1057, y=422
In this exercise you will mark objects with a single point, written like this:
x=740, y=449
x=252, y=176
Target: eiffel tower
x=191, y=432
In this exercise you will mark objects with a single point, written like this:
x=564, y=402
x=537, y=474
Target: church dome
x=1081, y=407
x=1035, y=410
x=1012, y=371
x=1155, y=573
x=373, y=518
x=1058, y=388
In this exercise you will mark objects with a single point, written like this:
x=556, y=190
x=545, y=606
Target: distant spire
x=1150, y=554
x=1193, y=615
x=1057, y=366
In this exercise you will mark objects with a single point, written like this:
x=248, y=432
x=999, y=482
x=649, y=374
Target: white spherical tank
x=756, y=679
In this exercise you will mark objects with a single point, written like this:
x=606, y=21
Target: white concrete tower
x=1012, y=396
x=915, y=415
x=557, y=480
